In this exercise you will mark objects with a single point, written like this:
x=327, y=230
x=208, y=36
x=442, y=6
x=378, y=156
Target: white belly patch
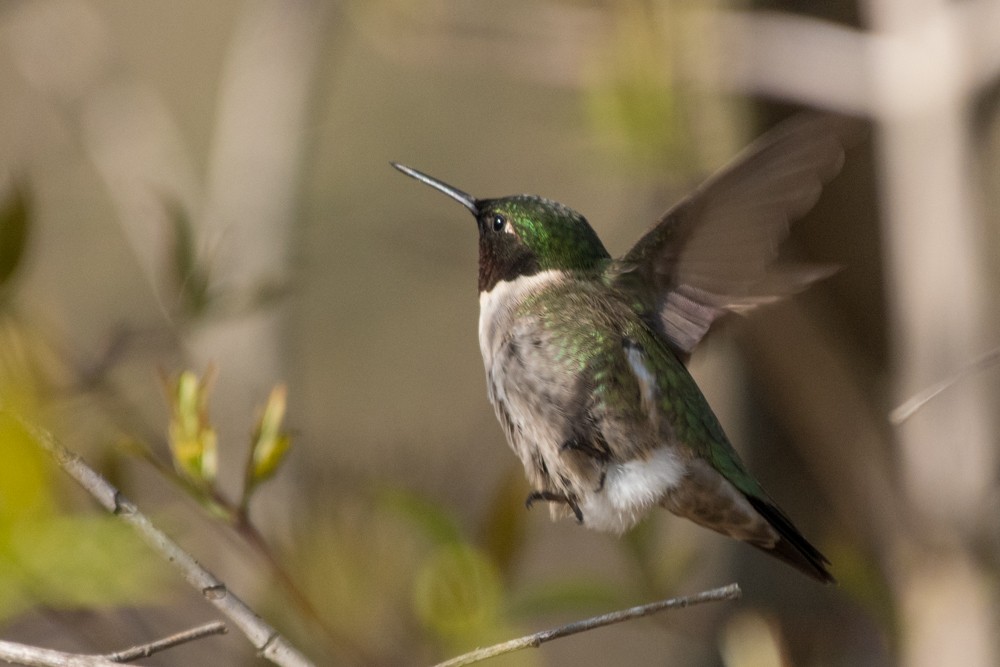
x=630, y=489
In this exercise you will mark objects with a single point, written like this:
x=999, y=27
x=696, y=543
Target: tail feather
x=712, y=500
x=792, y=548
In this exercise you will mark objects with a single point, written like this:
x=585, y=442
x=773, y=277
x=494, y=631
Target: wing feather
x=712, y=253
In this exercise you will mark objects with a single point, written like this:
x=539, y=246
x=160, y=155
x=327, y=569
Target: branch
x=34, y=656
x=268, y=642
x=146, y=650
x=219, y=506
x=908, y=407
x=730, y=592
x=93, y=376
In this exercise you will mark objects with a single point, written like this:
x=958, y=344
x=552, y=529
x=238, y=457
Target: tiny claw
x=552, y=497
x=532, y=497
x=576, y=511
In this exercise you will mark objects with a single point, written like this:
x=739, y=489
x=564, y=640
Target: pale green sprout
x=270, y=441
x=193, y=441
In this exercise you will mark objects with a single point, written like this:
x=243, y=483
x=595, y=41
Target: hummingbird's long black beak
x=466, y=200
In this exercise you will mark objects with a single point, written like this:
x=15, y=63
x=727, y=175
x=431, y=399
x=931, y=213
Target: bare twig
x=730, y=592
x=146, y=650
x=34, y=656
x=907, y=408
x=237, y=518
x=268, y=642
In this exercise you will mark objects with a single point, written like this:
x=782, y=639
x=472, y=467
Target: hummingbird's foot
x=553, y=497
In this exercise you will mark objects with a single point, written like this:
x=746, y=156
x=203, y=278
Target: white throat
x=496, y=307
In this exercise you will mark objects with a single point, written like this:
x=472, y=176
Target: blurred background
x=205, y=187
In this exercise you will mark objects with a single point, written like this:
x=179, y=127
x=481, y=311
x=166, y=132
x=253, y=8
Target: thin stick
x=268, y=642
x=34, y=656
x=906, y=409
x=146, y=650
x=730, y=592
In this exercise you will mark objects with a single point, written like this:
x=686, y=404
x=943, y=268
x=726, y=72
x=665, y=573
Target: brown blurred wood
x=915, y=72
x=826, y=400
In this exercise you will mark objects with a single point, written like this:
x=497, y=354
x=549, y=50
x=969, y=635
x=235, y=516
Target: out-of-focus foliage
x=639, y=98
x=858, y=576
x=14, y=227
x=190, y=276
x=47, y=555
x=193, y=293
x=504, y=529
x=632, y=98
x=660, y=568
x=457, y=595
x=399, y=577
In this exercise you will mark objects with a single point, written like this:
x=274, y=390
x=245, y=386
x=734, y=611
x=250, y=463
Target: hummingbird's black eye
x=498, y=222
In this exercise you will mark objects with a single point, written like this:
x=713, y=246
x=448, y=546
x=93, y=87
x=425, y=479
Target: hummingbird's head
x=524, y=234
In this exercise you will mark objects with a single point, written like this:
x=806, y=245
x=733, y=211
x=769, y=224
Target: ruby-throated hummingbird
x=585, y=355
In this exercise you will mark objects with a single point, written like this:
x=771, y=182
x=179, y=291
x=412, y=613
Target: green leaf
x=190, y=276
x=84, y=561
x=54, y=559
x=193, y=441
x=457, y=592
x=15, y=596
x=268, y=456
x=25, y=477
x=270, y=440
x=15, y=220
x=269, y=443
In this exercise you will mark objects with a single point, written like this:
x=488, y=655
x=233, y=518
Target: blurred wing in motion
x=712, y=252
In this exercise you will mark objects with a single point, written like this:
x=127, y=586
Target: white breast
x=496, y=308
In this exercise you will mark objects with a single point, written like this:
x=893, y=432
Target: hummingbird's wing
x=711, y=253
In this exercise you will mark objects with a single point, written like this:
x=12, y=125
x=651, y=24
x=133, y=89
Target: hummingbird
x=586, y=355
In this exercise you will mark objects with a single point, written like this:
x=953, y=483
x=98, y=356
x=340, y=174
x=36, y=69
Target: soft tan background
x=271, y=126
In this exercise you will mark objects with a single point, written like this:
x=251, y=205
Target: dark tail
x=792, y=547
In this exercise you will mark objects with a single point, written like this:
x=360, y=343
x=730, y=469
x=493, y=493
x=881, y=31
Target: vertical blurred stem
x=938, y=289
x=252, y=190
